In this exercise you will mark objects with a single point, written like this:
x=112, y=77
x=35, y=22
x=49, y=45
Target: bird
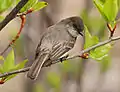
x=59, y=39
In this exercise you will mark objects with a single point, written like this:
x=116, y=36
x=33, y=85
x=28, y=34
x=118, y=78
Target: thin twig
x=15, y=72
x=23, y=18
x=12, y=14
x=83, y=51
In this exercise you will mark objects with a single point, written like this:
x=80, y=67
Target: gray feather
x=36, y=66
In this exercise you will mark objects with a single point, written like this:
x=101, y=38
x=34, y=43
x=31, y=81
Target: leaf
x=39, y=5
x=110, y=9
x=29, y=4
x=1, y=18
x=1, y=69
x=9, y=65
x=90, y=40
x=18, y=66
x=21, y=65
x=100, y=52
x=119, y=4
x=9, y=77
x=16, y=1
x=1, y=58
x=100, y=6
x=5, y=4
x=9, y=62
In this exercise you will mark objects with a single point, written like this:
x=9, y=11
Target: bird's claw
x=63, y=58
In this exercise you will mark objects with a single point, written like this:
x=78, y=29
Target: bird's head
x=75, y=25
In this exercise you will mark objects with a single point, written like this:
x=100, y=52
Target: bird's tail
x=36, y=66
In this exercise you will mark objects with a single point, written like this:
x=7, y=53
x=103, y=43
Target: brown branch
x=12, y=14
x=82, y=52
x=23, y=18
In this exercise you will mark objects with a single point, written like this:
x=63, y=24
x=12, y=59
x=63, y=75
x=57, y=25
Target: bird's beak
x=82, y=33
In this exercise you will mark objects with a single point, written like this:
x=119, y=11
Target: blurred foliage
x=70, y=66
x=105, y=9
x=98, y=53
x=6, y=4
x=53, y=80
x=35, y=5
x=95, y=24
x=90, y=40
x=38, y=88
x=9, y=62
x=9, y=65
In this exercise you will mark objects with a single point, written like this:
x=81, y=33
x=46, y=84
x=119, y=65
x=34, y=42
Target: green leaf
x=100, y=6
x=9, y=77
x=1, y=18
x=1, y=69
x=90, y=40
x=21, y=65
x=16, y=1
x=39, y=5
x=1, y=58
x=9, y=62
x=29, y=4
x=108, y=9
x=18, y=66
x=53, y=79
x=5, y=4
x=111, y=9
x=119, y=4
x=9, y=65
x=100, y=52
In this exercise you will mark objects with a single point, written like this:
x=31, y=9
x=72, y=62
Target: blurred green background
x=76, y=75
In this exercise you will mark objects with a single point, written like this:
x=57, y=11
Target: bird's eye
x=75, y=26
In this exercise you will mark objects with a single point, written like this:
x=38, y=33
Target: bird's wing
x=53, y=44
x=56, y=41
x=58, y=50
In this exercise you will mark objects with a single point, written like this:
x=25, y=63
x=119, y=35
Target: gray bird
x=55, y=42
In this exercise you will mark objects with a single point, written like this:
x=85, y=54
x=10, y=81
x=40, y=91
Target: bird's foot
x=63, y=58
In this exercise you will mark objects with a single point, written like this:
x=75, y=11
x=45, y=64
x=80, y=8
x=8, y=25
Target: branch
x=82, y=52
x=23, y=18
x=12, y=14
x=15, y=72
x=91, y=48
